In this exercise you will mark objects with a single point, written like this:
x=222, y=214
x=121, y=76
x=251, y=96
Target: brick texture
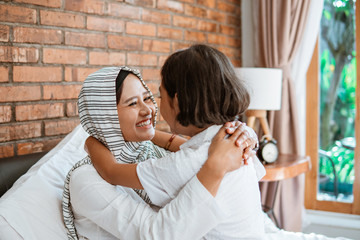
x=64, y=56
x=174, y=6
x=107, y=58
x=170, y=33
x=124, y=11
x=6, y=150
x=155, y=17
x=56, y=92
x=39, y=111
x=88, y=6
x=72, y=109
x=74, y=74
x=85, y=39
x=124, y=43
x=156, y=46
x=135, y=59
x=105, y=24
x=9, y=13
x=4, y=74
x=36, y=74
x=4, y=33
x=20, y=93
x=36, y=35
x=46, y=3
x=60, y=127
x=18, y=54
x=140, y=29
x=5, y=114
x=20, y=131
x=37, y=146
x=49, y=47
x=151, y=74
x=145, y=3
x=62, y=19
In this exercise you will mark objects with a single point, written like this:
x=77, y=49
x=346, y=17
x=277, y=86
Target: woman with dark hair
x=199, y=93
x=117, y=108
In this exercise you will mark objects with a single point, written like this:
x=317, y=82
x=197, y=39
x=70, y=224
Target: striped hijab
x=99, y=117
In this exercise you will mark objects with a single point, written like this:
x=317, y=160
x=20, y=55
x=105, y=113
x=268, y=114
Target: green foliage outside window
x=337, y=96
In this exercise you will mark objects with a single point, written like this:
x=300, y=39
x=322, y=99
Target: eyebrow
x=131, y=98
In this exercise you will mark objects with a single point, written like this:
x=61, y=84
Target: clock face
x=270, y=152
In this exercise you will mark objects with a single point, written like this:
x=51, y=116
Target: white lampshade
x=264, y=86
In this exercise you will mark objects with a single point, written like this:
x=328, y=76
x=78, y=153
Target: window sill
x=332, y=219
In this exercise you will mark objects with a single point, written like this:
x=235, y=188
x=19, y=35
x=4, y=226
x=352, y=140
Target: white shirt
x=103, y=211
x=238, y=195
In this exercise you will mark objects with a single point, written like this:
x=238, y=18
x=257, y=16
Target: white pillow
x=32, y=207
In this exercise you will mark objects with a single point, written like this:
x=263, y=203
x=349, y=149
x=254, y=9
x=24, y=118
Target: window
x=333, y=119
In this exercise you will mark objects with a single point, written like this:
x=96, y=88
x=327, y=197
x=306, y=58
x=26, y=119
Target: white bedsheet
x=31, y=209
x=274, y=233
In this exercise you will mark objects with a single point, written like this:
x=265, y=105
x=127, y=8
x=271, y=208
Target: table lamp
x=264, y=86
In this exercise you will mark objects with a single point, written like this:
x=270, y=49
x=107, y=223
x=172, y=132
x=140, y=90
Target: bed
x=31, y=208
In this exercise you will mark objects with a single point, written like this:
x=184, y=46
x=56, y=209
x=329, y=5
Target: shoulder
x=187, y=155
x=88, y=190
x=84, y=176
x=176, y=163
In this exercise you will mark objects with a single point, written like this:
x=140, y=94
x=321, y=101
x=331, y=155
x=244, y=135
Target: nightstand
x=286, y=166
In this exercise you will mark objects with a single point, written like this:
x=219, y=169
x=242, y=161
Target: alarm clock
x=268, y=151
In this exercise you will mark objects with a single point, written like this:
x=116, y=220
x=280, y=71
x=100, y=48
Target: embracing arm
x=125, y=174
x=111, y=171
x=210, y=175
x=162, y=139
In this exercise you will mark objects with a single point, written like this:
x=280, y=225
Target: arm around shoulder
x=162, y=139
x=109, y=169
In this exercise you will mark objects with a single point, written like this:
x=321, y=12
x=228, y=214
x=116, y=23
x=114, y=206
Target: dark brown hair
x=209, y=92
x=119, y=84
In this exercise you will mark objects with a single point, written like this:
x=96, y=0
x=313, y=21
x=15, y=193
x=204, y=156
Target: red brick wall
x=48, y=47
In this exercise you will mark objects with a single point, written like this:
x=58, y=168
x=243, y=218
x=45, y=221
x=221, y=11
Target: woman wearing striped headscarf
x=117, y=108
x=199, y=93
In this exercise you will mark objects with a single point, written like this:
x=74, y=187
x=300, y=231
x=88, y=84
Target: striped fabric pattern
x=99, y=117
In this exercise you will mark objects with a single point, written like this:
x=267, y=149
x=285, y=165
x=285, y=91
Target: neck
x=190, y=130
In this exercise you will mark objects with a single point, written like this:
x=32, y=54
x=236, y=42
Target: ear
x=175, y=103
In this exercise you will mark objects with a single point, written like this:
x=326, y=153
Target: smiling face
x=136, y=111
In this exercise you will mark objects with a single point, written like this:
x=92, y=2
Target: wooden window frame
x=312, y=134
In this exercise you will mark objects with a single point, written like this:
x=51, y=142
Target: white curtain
x=301, y=60
x=299, y=69
x=301, y=63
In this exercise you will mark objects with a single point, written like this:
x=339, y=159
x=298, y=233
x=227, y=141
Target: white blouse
x=103, y=211
x=238, y=195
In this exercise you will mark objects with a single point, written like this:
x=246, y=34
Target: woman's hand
x=225, y=154
x=247, y=139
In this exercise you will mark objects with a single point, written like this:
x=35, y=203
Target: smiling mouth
x=144, y=123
